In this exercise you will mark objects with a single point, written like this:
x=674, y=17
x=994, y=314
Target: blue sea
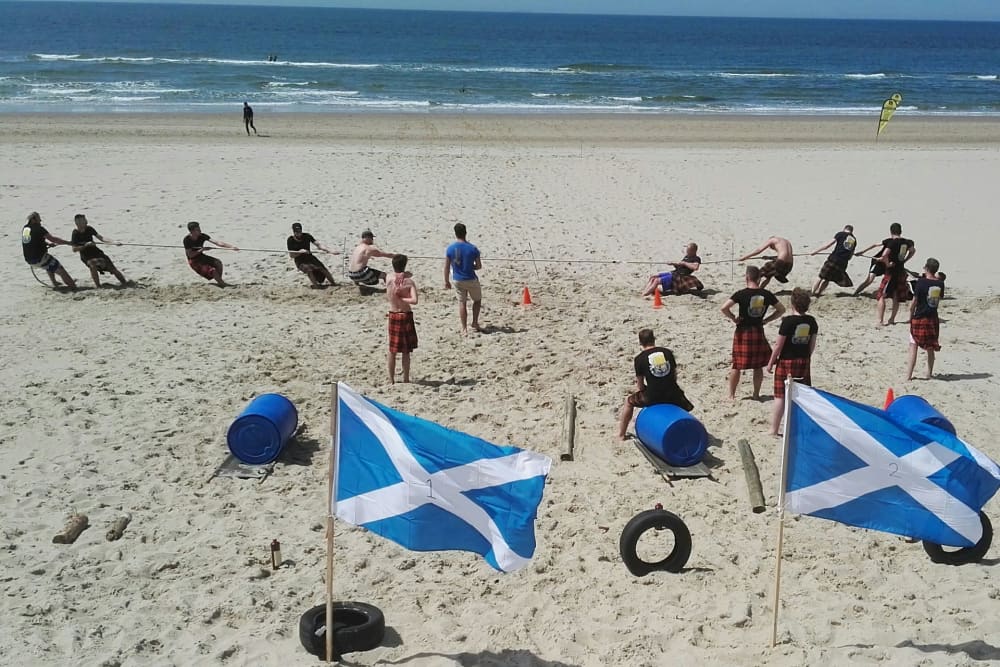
x=100, y=57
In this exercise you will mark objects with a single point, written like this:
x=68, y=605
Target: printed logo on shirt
x=902, y=251
x=849, y=243
x=801, y=335
x=658, y=365
x=757, y=306
x=26, y=235
x=933, y=296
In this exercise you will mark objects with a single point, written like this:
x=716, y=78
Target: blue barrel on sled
x=672, y=435
x=263, y=428
x=915, y=410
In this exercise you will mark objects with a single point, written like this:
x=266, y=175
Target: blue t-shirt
x=463, y=256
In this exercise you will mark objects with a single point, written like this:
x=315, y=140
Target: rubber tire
x=356, y=626
x=649, y=520
x=972, y=554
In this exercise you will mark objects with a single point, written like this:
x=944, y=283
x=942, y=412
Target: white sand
x=118, y=400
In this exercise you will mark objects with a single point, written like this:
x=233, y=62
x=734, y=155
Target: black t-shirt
x=895, y=249
x=301, y=243
x=843, y=249
x=928, y=294
x=82, y=238
x=658, y=368
x=797, y=330
x=685, y=271
x=753, y=303
x=196, y=244
x=33, y=243
x=247, y=112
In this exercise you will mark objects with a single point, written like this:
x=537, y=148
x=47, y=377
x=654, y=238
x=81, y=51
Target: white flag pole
x=334, y=450
x=789, y=389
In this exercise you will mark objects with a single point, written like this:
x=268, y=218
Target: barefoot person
x=358, y=270
x=95, y=259
x=792, y=352
x=655, y=381
x=896, y=251
x=780, y=266
x=401, y=292
x=925, y=328
x=35, y=241
x=680, y=280
x=461, y=261
x=835, y=267
x=248, y=118
x=206, y=266
x=306, y=262
x=751, y=350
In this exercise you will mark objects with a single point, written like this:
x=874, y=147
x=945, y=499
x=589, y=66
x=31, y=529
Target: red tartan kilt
x=796, y=369
x=894, y=287
x=402, y=332
x=750, y=348
x=777, y=269
x=686, y=283
x=835, y=273
x=204, y=268
x=925, y=332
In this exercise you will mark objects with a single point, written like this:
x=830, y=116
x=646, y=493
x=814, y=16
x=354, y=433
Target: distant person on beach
x=925, y=328
x=751, y=351
x=461, y=261
x=835, y=267
x=655, y=381
x=780, y=266
x=358, y=270
x=681, y=280
x=206, y=266
x=306, y=262
x=248, y=118
x=793, y=351
x=401, y=292
x=896, y=251
x=95, y=259
x=35, y=241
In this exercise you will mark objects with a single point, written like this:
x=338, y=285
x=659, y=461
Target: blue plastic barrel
x=262, y=429
x=671, y=434
x=915, y=410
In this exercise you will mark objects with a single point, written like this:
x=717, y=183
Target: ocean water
x=100, y=57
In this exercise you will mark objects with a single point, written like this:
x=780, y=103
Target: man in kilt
x=777, y=267
x=401, y=292
x=792, y=352
x=924, y=324
x=895, y=286
x=751, y=350
x=835, y=267
x=655, y=381
x=82, y=239
x=681, y=280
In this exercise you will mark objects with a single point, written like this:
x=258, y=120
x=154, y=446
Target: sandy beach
x=119, y=399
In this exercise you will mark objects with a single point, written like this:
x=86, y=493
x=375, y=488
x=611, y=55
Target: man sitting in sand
x=401, y=292
x=655, y=381
x=206, y=266
x=358, y=270
x=34, y=243
x=95, y=259
x=780, y=266
x=835, y=267
x=306, y=262
x=680, y=280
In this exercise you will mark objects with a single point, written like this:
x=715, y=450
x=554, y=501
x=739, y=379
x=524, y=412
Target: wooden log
x=76, y=525
x=753, y=477
x=569, y=429
x=118, y=527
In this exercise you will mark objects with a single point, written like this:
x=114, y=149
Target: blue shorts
x=666, y=281
x=48, y=262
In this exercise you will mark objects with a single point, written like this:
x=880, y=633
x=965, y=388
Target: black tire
x=972, y=554
x=648, y=520
x=356, y=627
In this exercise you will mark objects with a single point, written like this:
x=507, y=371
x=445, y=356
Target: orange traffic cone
x=526, y=297
x=890, y=396
x=657, y=299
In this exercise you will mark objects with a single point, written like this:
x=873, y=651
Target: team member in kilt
x=401, y=292
x=780, y=266
x=750, y=347
x=681, y=280
x=792, y=352
x=835, y=267
x=82, y=239
x=895, y=285
x=655, y=381
x=206, y=266
x=924, y=324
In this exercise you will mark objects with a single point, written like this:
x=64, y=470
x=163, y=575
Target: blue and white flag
x=429, y=488
x=855, y=464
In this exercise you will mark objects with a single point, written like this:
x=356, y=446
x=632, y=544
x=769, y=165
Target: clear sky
x=948, y=10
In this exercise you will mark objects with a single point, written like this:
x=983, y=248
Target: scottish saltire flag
x=429, y=488
x=855, y=464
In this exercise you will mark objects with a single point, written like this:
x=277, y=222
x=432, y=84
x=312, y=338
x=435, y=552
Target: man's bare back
x=782, y=247
x=396, y=289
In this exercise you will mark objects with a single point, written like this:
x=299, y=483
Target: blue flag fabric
x=429, y=488
x=855, y=464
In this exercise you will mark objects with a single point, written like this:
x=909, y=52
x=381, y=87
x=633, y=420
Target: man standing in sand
x=925, y=328
x=835, y=267
x=358, y=269
x=461, y=261
x=34, y=243
x=95, y=259
x=206, y=266
x=896, y=251
x=401, y=292
x=793, y=352
x=780, y=266
x=751, y=351
x=681, y=280
x=299, y=250
x=248, y=118
x=655, y=381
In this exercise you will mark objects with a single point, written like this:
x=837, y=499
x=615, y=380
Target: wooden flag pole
x=789, y=388
x=334, y=434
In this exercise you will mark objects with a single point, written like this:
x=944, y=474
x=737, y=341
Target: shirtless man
x=358, y=270
x=780, y=266
x=401, y=292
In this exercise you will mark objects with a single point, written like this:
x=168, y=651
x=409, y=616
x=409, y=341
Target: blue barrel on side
x=263, y=428
x=672, y=435
x=915, y=410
